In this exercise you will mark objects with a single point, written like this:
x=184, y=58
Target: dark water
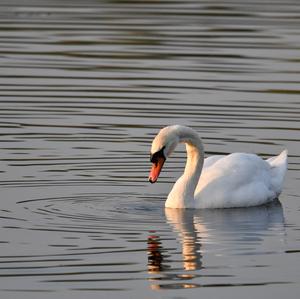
x=84, y=87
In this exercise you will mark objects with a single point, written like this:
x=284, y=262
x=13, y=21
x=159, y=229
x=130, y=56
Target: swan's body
x=235, y=180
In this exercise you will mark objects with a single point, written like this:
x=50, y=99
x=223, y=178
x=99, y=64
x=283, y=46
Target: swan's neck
x=182, y=194
x=193, y=167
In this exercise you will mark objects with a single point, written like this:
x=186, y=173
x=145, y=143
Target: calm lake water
x=85, y=86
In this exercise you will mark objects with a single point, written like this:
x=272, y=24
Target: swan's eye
x=155, y=157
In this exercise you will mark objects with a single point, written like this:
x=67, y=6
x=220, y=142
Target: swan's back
x=240, y=180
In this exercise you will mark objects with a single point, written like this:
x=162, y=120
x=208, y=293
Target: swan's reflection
x=199, y=228
x=182, y=221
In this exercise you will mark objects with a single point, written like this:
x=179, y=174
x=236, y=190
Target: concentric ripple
x=96, y=211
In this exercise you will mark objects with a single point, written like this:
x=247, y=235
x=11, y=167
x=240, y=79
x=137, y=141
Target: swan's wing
x=236, y=168
x=235, y=180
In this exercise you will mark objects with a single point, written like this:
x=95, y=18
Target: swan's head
x=162, y=146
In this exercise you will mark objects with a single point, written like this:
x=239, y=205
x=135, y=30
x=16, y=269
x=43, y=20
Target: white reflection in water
x=238, y=231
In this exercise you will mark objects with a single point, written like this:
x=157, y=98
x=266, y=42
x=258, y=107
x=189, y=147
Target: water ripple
x=84, y=88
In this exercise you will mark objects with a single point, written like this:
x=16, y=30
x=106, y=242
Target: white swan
x=235, y=180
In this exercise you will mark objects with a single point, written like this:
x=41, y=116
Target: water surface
x=84, y=88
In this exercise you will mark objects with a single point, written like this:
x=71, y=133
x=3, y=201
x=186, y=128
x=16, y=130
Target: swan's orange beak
x=156, y=169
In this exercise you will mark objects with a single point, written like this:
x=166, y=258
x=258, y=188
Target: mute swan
x=235, y=180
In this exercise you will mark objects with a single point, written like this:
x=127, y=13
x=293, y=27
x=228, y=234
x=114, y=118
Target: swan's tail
x=278, y=169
